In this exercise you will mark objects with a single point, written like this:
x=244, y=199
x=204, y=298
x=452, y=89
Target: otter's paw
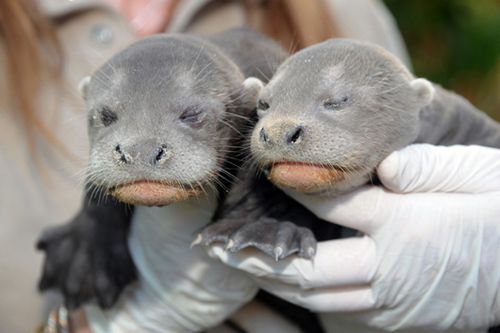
x=84, y=267
x=277, y=239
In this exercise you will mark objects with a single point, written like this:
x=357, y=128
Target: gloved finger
x=356, y=209
x=345, y=262
x=346, y=299
x=428, y=168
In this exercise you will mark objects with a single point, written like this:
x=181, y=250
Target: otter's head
x=332, y=112
x=159, y=118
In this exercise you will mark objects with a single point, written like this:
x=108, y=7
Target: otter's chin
x=153, y=193
x=305, y=178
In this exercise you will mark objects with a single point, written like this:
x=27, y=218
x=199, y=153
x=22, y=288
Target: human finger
x=344, y=299
x=356, y=210
x=428, y=168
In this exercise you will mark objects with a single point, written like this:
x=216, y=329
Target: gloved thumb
x=428, y=168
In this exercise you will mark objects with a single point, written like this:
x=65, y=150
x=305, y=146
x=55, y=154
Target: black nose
x=120, y=156
x=161, y=155
x=295, y=135
x=263, y=136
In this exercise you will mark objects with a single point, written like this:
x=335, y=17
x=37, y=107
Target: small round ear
x=83, y=87
x=424, y=90
x=251, y=90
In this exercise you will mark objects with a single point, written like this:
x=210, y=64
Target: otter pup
x=166, y=119
x=331, y=114
x=163, y=116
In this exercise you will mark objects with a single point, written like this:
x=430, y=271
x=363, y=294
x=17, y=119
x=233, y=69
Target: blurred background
x=456, y=44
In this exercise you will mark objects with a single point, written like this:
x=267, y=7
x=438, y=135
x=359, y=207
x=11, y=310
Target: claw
x=278, y=251
x=197, y=241
x=311, y=252
x=229, y=245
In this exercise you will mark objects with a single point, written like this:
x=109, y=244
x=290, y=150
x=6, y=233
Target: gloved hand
x=179, y=289
x=429, y=257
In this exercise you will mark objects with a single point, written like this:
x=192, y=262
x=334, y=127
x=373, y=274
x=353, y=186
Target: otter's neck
x=450, y=119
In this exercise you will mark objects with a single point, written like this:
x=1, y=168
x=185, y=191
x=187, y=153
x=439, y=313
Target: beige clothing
x=366, y=20
x=32, y=198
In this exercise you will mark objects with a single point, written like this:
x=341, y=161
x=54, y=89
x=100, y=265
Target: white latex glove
x=430, y=255
x=180, y=289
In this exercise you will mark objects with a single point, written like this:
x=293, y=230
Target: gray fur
x=135, y=104
x=134, y=85
x=150, y=85
x=386, y=109
x=450, y=119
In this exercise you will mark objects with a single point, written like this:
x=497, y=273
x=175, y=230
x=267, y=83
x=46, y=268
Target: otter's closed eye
x=191, y=116
x=107, y=116
x=262, y=106
x=336, y=104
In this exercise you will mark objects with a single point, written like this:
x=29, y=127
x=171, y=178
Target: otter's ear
x=424, y=90
x=251, y=90
x=83, y=87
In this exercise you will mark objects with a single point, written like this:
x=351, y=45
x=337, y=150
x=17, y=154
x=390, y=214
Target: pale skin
x=146, y=17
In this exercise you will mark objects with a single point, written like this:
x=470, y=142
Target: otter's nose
x=294, y=136
x=160, y=155
x=145, y=152
x=263, y=137
x=120, y=156
x=286, y=134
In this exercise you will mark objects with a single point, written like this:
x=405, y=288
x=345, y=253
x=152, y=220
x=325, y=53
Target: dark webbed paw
x=85, y=266
x=277, y=239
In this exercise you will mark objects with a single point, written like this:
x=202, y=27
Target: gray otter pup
x=163, y=116
x=333, y=112
x=168, y=117
x=160, y=118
